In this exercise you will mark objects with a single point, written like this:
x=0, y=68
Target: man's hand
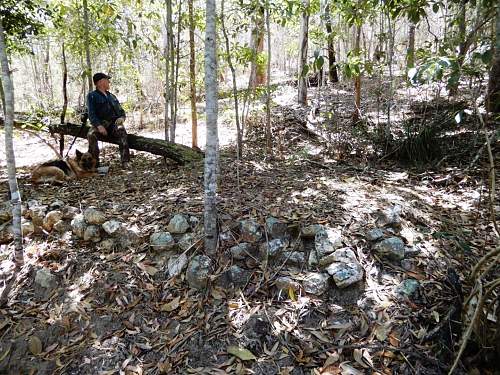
x=119, y=121
x=102, y=130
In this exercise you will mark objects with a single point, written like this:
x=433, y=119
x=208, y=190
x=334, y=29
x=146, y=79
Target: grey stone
x=45, y=279
x=295, y=258
x=161, y=241
x=345, y=274
x=111, y=226
x=62, y=226
x=389, y=216
x=34, y=203
x=78, y=225
x=315, y=283
x=69, y=212
x=128, y=236
x=285, y=283
x=178, y=224
x=327, y=241
x=250, y=231
x=275, y=228
x=186, y=241
x=311, y=231
x=56, y=205
x=51, y=218
x=408, y=287
x=92, y=233
x=392, y=248
x=27, y=227
x=94, y=216
x=238, y=276
x=108, y=245
x=240, y=251
x=374, y=234
x=345, y=255
x=177, y=264
x=5, y=212
x=198, y=272
x=193, y=221
x=273, y=247
x=412, y=251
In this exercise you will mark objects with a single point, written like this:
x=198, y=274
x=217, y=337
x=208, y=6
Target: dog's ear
x=78, y=155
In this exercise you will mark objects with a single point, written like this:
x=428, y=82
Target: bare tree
x=210, y=216
x=493, y=101
x=304, y=35
x=87, y=43
x=269, y=143
x=192, y=77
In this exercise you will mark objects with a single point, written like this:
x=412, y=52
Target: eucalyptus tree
x=303, y=43
x=493, y=96
x=192, y=77
x=86, y=40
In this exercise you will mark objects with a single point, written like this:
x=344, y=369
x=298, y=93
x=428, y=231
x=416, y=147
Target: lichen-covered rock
x=78, y=225
x=94, y=216
x=408, y=287
x=295, y=258
x=374, y=234
x=45, y=279
x=275, y=228
x=344, y=254
x=51, y=218
x=69, y=212
x=237, y=276
x=250, y=231
x=178, y=224
x=198, y=272
x=273, y=247
x=389, y=216
x=5, y=212
x=392, y=248
x=111, y=227
x=240, y=251
x=327, y=241
x=128, y=236
x=315, y=283
x=285, y=283
x=186, y=241
x=62, y=226
x=108, y=245
x=56, y=205
x=345, y=274
x=161, y=241
x=311, y=230
x=92, y=233
x=176, y=265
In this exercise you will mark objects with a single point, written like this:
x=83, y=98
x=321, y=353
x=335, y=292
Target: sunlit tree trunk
x=357, y=80
x=493, y=99
x=174, y=64
x=9, y=152
x=304, y=35
x=87, y=43
x=210, y=211
x=268, y=98
x=166, y=55
x=410, y=56
x=192, y=78
x=462, y=12
x=332, y=66
x=257, y=71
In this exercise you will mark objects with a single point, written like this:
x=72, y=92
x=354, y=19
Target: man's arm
x=94, y=120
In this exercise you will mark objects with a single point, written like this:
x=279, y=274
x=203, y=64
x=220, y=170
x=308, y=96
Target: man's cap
x=98, y=76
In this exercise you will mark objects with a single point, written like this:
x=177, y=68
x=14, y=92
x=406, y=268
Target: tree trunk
x=177, y=152
x=269, y=143
x=87, y=43
x=64, y=85
x=332, y=66
x=9, y=152
x=410, y=56
x=493, y=98
x=174, y=66
x=357, y=81
x=453, y=87
x=166, y=55
x=239, y=132
x=210, y=211
x=304, y=35
x=257, y=72
x=192, y=78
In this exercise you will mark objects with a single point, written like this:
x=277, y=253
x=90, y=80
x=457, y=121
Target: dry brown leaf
x=35, y=345
x=172, y=305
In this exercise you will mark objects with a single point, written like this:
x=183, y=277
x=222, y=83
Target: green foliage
x=356, y=66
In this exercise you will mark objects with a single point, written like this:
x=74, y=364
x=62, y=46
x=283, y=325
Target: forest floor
x=119, y=312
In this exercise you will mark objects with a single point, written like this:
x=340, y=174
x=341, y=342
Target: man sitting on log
x=106, y=116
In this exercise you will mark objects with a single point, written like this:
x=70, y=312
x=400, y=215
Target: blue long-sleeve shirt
x=103, y=109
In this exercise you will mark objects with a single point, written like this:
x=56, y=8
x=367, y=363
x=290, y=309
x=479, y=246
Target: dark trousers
x=116, y=133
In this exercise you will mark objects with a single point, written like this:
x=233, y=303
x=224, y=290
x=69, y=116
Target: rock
x=56, y=205
x=37, y=215
x=240, y=251
x=27, y=227
x=345, y=255
x=94, y=216
x=273, y=247
x=327, y=241
x=345, y=274
x=389, y=217
x=295, y=258
x=161, y=241
x=238, y=276
x=408, y=287
x=186, y=241
x=392, y=248
x=412, y=251
x=34, y=203
x=5, y=212
x=275, y=228
x=50, y=219
x=176, y=265
x=62, y=226
x=107, y=245
x=92, y=233
x=193, y=221
x=45, y=279
x=128, y=236
x=311, y=231
x=6, y=235
x=198, y=272
x=70, y=212
x=111, y=226
x=374, y=234
x=78, y=225
x=315, y=283
x=285, y=283
x=178, y=224
x=250, y=231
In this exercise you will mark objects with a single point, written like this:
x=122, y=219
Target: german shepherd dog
x=58, y=171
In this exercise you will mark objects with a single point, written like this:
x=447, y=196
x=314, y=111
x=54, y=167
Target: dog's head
x=86, y=160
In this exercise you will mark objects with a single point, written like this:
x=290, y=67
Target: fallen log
x=177, y=152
